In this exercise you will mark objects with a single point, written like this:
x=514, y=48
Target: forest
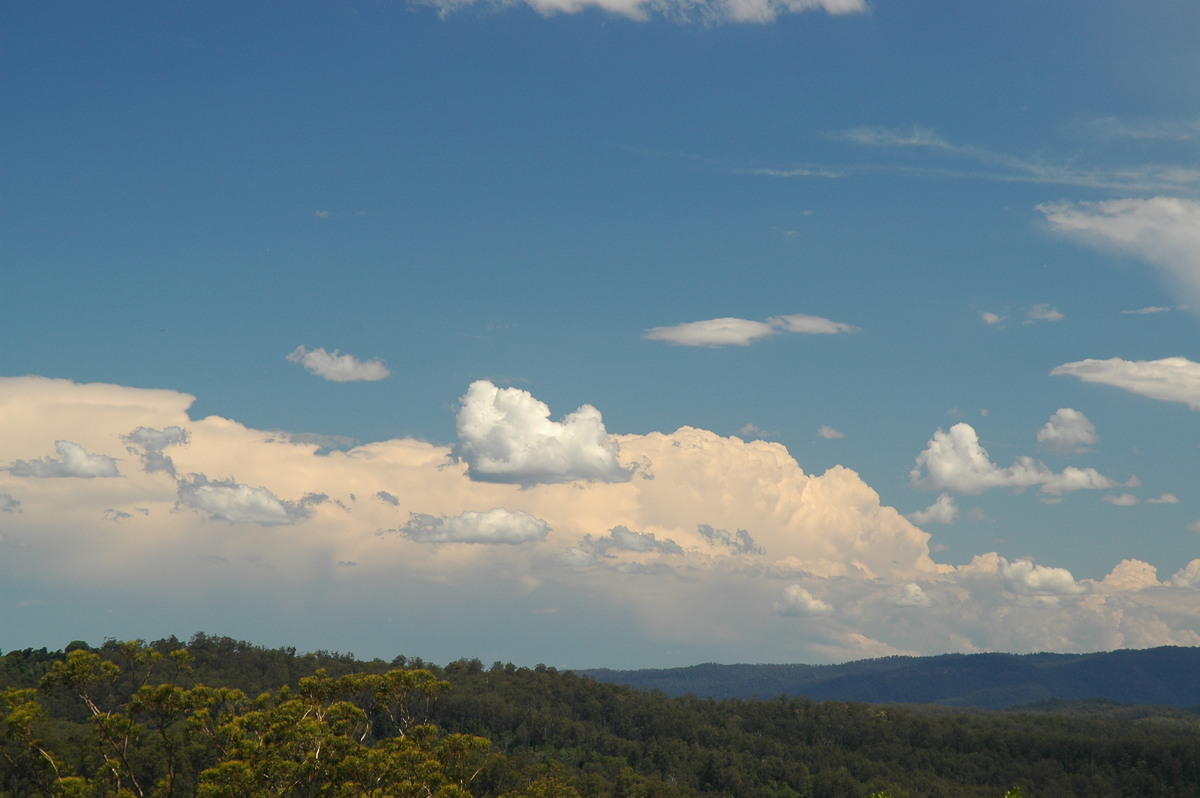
x=222, y=718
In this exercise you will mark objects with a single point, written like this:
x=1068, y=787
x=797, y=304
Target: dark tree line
x=217, y=718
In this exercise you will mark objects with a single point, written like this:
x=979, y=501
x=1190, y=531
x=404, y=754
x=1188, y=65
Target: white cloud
x=1146, y=311
x=1121, y=499
x=911, y=595
x=149, y=444
x=798, y=600
x=506, y=435
x=942, y=511
x=991, y=318
x=810, y=325
x=1042, y=313
x=489, y=527
x=1164, y=231
x=337, y=367
x=73, y=461
x=700, y=559
x=728, y=331
x=1166, y=498
x=226, y=500
x=1068, y=431
x=954, y=460
x=1172, y=379
x=829, y=433
x=704, y=11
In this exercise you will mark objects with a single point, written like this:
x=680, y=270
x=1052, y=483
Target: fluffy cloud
x=708, y=11
x=1172, y=379
x=1068, y=431
x=829, y=433
x=226, y=500
x=337, y=367
x=798, y=600
x=954, y=460
x=506, y=435
x=942, y=511
x=492, y=526
x=149, y=444
x=1164, y=231
x=1122, y=499
x=72, y=461
x=714, y=333
x=714, y=549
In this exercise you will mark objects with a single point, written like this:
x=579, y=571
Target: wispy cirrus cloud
x=682, y=11
x=336, y=367
x=730, y=331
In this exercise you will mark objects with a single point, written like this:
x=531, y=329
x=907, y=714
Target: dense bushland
x=218, y=717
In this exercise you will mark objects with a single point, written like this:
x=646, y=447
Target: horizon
x=602, y=334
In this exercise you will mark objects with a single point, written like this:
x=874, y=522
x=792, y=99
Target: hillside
x=1168, y=676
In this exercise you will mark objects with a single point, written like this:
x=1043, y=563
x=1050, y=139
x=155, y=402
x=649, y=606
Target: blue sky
x=470, y=329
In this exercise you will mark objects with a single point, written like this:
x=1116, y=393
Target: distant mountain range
x=1168, y=676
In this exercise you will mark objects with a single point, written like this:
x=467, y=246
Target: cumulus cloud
x=714, y=333
x=942, y=511
x=491, y=526
x=1068, y=431
x=388, y=498
x=683, y=11
x=338, y=367
x=1164, y=231
x=991, y=318
x=738, y=542
x=797, y=600
x=72, y=461
x=829, y=433
x=955, y=461
x=1121, y=499
x=1172, y=379
x=149, y=444
x=506, y=435
x=226, y=500
x=829, y=572
x=1166, y=498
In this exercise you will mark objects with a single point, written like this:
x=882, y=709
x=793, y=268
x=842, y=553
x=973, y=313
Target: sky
x=601, y=333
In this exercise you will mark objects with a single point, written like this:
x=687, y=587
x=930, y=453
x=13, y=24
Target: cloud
x=389, y=498
x=1042, y=313
x=798, y=601
x=8, y=504
x=732, y=551
x=492, y=526
x=727, y=331
x=942, y=511
x=969, y=162
x=955, y=461
x=1172, y=379
x=1068, y=431
x=149, y=444
x=1122, y=499
x=991, y=318
x=1166, y=498
x=683, y=11
x=1146, y=311
x=337, y=367
x=829, y=433
x=73, y=461
x=1164, y=231
x=739, y=542
x=506, y=435
x=226, y=500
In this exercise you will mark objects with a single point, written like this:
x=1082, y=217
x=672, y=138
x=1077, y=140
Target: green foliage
x=220, y=718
